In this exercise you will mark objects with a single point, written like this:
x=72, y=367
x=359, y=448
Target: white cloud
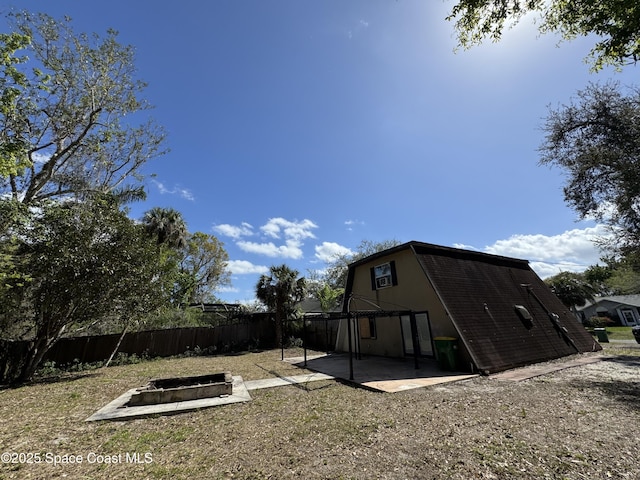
x=605, y=211
x=573, y=250
x=234, y=231
x=244, y=267
x=40, y=158
x=291, y=233
x=545, y=270
x=182, y=192
x=227, y=289
x=464, y=246
x=291, y=249
x=329, y=251
x=291, y=230
x=359, y=26
x=350, y=223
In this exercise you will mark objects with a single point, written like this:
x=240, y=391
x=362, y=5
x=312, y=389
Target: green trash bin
x=601, y=333
x=446, y=352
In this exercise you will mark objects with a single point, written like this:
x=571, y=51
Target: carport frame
x=350, y=316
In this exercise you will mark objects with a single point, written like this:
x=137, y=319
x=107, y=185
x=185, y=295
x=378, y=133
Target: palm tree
x=280, y=291
x=167, y=226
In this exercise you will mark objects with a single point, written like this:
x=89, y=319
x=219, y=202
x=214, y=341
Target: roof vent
x=524, y=315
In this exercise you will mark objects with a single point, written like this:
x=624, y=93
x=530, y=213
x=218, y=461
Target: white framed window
x=628, y=316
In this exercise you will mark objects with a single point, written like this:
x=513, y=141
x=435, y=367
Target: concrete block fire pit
x=175, y=395
x=182, y=389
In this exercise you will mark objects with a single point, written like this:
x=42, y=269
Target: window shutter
x=373, y=278
x=365, y=327
x=394, y=277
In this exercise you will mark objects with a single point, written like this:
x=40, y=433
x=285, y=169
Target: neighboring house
x=501, y=312
x=310, y=306
x=622, y=308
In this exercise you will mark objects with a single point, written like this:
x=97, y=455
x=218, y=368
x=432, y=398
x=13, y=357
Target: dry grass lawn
x=579, y=423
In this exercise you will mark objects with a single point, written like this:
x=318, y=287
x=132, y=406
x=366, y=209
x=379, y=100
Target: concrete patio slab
x=380, y=373
x=118, y=409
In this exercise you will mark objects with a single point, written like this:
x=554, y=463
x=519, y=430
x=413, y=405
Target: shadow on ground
x=620, y=390
x=63, y=378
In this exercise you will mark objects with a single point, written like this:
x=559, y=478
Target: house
x=502, y=314
x=619, y=308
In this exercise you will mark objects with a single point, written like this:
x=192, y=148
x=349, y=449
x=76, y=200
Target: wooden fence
x=256, y=331
x=321, y=333
x=164, y=343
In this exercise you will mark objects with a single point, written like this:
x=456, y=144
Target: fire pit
x=181, y=389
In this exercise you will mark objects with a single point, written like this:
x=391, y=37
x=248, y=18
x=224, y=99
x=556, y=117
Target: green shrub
x=599, y=322
x=293, y=342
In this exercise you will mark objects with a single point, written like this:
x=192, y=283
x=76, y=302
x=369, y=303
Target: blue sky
x=299, y=128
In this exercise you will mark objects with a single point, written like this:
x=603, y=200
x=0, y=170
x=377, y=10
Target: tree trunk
x=117, y=346
x=35, y=354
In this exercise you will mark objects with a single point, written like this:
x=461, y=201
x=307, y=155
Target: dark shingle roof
x=480, y=292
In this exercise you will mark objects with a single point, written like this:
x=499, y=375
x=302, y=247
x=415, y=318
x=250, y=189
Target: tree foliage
x=72, y=142
x=329, y=297
x=203, y=268
x=167, y=226
x=87, y=262
x=200, y=258
x=595, y=140
x=615, y=24
x=69, y=113
x=13, y=149
x=619, y=276
x=571, y=288
x=281, y=290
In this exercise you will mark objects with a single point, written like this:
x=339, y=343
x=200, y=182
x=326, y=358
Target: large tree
x=572, y=289
x=203, y=268
x=70, y=114
x=86, y=262
x=613, y=24
x=281, y=290
x=595, y=141
x=72, y=142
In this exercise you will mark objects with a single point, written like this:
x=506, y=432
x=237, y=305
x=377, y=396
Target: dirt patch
x=576, y=423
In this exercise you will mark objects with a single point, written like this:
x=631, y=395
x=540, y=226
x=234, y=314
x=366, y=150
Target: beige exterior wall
x=388, y=341
x=412, y=292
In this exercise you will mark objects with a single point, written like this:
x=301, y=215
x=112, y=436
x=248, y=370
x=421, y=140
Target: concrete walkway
x=284, y=381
